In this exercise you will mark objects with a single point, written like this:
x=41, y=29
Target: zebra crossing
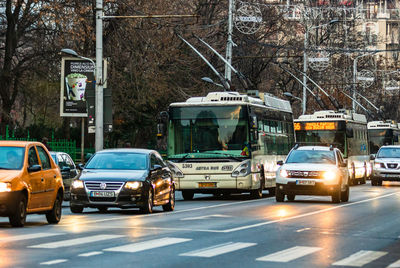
x=291, y=254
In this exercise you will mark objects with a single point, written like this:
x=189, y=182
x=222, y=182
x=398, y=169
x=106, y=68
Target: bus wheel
x=364, y=179
x=256, y=194
x=352, y=180
x=187, y=195
x=291, y=197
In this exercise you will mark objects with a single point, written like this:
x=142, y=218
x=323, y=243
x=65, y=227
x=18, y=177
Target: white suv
x=313, y=170
x=386, y=165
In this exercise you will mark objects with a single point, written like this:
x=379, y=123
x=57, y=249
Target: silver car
x=386, y=165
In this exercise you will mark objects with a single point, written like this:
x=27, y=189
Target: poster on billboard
x=77, y=79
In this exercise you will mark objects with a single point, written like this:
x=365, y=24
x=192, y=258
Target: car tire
x=187, y=195
x=18, y=217
x=171, y=204
x=336, y=195
x=147, y=207
x=279, y=195
x=76, y=209
x=54, y=215
x=103, y=209
x=291, y=197
x=344, y=196
x=379, y=182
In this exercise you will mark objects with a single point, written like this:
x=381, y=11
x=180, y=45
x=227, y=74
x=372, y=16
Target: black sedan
x=124, y=178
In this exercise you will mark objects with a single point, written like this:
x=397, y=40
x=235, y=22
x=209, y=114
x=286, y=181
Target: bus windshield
x=378, y=138
x=321, y=137
x=208, y=132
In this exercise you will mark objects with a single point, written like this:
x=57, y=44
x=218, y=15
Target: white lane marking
x=289, y=254
x=53, y=262
x=169, y=213
x=306, y=214
x=154, y=228
x=206, y=217
x=89, y=254
x=76, y=241
x=302, y=230
x=360, y=258
x=145, y=245
x=395, y=264
x=218, y=249
x=27, y=237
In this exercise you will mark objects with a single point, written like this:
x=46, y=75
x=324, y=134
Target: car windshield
x=311, y=156
x=118, y=160
x=389, y=153
x=11, y=157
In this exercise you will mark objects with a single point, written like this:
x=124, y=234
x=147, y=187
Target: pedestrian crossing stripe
x=218, y=250
x=76, y=241
x=395, y=264
x=150, y=244
x=360, y=258
x=27, y=237
x=289, y=254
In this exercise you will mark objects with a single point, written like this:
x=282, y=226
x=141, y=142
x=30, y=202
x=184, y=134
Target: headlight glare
x=133, y=185
x=377, y=165
x=329, y=175
x=5, y=187
x=77, y=184
x=283, y=173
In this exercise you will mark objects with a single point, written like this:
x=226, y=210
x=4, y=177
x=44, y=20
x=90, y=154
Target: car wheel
x=344, y=197
x=18, y=217
x=291, y=197
x=76, y=209
x=336, y=195
x=187, y=195
x=279, y=195
x=171, y=205
x=147, y=207
x=379, y=182
x=54, y=215
x=103, y=209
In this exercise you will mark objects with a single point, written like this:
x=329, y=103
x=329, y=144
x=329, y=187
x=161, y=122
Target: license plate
x=102, y=194
x=392, y=176
x=207, y=184
x=304, y=182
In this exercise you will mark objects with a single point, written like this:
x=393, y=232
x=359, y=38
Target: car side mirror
x=34, y=168
x=156, y=167
x=372, y=157
x=279, y=163
x=81, y=166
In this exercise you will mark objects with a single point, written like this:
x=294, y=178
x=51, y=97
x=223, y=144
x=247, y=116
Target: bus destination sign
x=316, y=126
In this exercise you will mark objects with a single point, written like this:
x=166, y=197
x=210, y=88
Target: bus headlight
x=5, y=187
x=283, y=173
x=329, y=175
x=242, y=170
x=133, y=185
x=77, y=184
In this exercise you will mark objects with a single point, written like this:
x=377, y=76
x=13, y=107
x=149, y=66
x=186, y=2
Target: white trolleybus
x=228, y=143
x=345, y=130
x=382, y=133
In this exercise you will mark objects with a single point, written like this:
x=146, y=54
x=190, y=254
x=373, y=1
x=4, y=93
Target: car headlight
x=329, y=175
x=5, y=187
x=133, y=185
x=77, y=184
x=283, y=173
x=377, y=165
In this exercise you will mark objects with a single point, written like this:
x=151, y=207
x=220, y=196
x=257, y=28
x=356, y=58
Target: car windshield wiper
x=225, y=154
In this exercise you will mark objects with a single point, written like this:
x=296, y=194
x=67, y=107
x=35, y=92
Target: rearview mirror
x=81, y=166
x=34, y=168
x=156, y=167
x=279, y=163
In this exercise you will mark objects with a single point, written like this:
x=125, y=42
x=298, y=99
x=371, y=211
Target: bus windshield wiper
x=182, y=158
x=224, y=154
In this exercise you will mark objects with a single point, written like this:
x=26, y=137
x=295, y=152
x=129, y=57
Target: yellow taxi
x=30, y=182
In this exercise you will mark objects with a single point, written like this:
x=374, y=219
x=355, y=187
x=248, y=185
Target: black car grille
x=391, y=165
x=112, y=186
x=102, y=199
x=305, y=174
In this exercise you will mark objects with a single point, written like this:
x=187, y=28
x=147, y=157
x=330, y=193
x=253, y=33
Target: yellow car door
x=35, y=180
x=49, y=174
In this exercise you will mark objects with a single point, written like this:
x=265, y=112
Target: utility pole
x=99, y=142
x=229, y=44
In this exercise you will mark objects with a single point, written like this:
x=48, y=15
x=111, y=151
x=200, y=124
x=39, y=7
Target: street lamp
x=305, y=60
x=355, y=77
x=290, y=95
x=209, y=80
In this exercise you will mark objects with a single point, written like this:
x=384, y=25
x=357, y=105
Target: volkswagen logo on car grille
x=103, y=185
